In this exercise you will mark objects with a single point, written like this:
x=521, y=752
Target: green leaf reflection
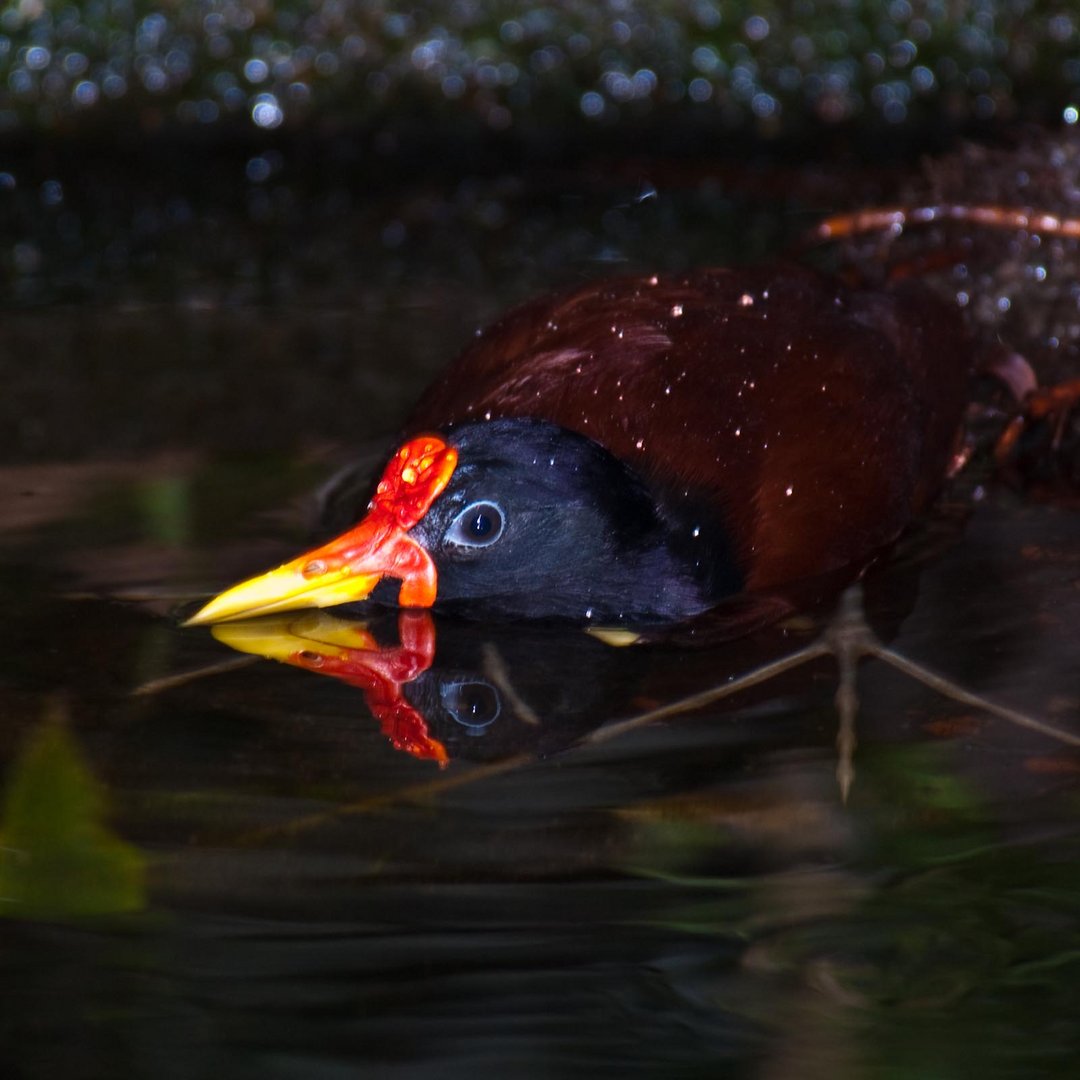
x=59, y=860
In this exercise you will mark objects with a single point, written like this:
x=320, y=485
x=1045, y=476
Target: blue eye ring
x=479, y=525
x=470, y=712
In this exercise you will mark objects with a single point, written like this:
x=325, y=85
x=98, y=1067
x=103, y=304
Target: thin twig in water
x=412, y=793
x=494, y=668
x=965, y=697
x=707, y=697
x=168, y=682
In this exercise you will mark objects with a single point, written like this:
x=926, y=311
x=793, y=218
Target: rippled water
x=215, y=865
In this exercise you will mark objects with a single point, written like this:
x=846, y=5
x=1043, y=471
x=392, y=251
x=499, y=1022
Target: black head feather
x=538, y=521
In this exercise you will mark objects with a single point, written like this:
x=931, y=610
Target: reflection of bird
x=538, y=690
x=642, y=450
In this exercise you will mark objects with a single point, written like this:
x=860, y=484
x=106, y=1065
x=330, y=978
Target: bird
x=653, y=450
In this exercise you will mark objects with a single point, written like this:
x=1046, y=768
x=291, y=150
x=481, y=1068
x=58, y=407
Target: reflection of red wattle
x=407, y=730
x=381, y=673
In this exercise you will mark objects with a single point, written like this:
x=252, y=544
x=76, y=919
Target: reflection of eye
x=474, y=704
x=479, y=524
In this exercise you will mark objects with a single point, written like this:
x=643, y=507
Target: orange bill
x=351, y=565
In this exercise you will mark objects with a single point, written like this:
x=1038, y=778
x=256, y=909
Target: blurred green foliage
x=59, y=859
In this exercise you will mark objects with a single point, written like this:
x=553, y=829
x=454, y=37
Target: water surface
x=237, y=874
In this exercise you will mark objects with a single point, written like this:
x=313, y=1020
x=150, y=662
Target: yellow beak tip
x=200, y=618
x=284, y=589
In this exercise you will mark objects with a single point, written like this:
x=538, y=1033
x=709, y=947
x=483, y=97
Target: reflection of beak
x=313, y=636
x=322, y=643
x=349, y=567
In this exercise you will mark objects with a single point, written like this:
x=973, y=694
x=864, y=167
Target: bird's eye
x=478, y=525
x=473, y=703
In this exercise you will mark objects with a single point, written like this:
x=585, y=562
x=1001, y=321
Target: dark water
x=215, y=865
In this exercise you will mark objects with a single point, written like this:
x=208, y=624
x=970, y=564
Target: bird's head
x=512, y=518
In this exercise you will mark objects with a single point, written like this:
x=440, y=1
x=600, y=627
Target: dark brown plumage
x=819, y=419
